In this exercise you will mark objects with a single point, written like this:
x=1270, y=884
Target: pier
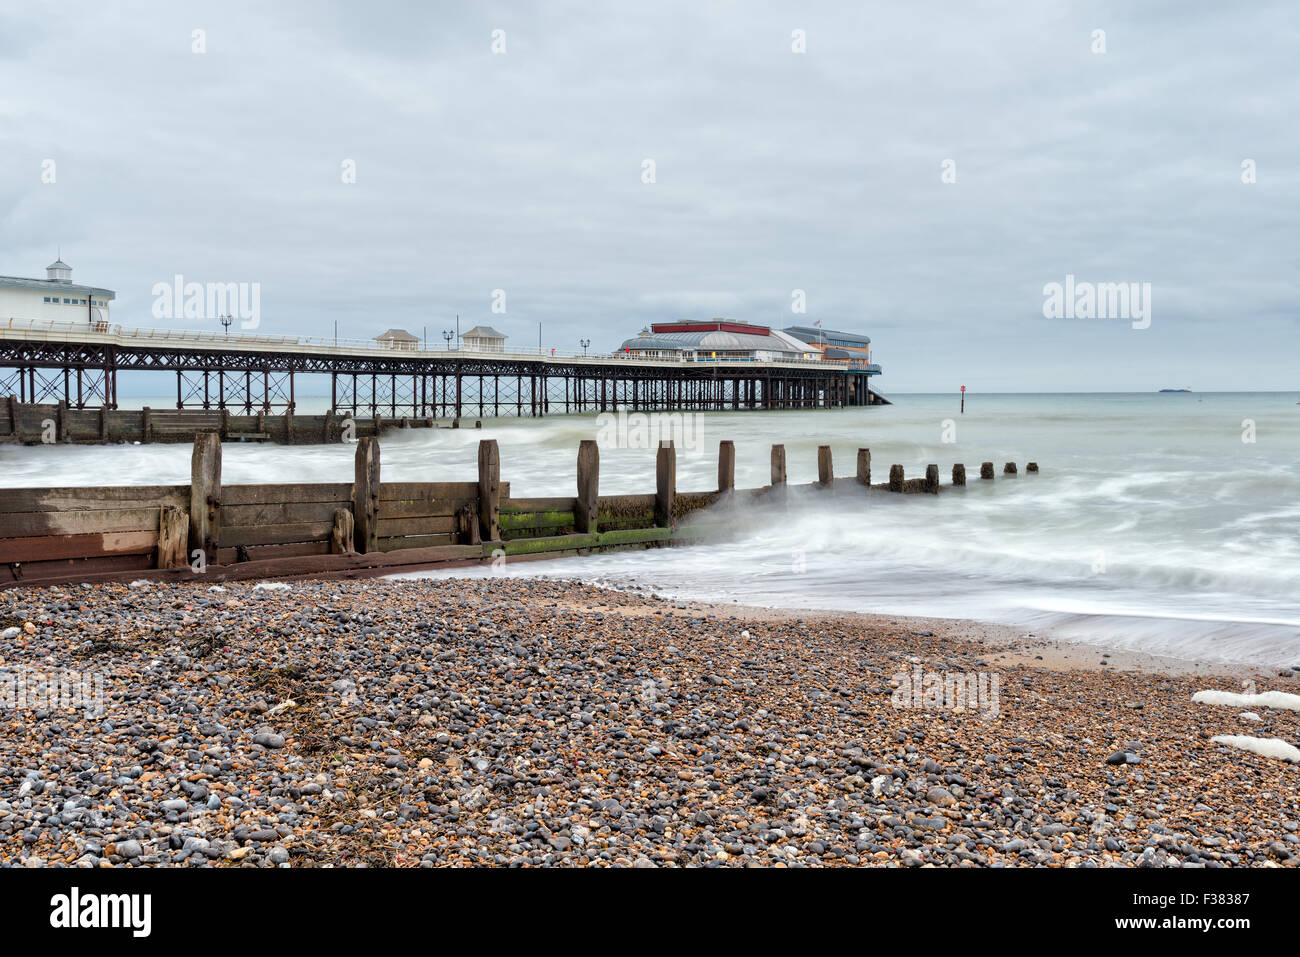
x=207, y=531
x=78, y=365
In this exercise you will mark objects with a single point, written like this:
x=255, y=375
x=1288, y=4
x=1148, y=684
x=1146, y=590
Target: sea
x=1166, y=523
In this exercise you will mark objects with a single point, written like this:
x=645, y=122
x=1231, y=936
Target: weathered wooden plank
x=517, y=521
x=415, y=541
x=334, y=493
x=309, y=566
x=173, y=532
x=276, y=534
x=279, y=513
x=50, y=547
x=615, y=501
x=408, y=508
x=558, y=504
x=68, y=499
x=343, y=537
x=428, y=525
x=398, y=491
x=74, y=568
x=22, y=524
x=228, y=556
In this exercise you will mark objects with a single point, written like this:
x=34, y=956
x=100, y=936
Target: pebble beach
x=515, y=722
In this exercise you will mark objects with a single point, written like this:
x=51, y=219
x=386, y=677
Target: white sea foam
x=1267, y=699
x=1267, y=747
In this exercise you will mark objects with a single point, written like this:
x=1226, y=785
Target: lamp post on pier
x=584, y=343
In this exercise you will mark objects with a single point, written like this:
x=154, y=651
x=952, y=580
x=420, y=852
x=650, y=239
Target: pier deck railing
x=50, y=330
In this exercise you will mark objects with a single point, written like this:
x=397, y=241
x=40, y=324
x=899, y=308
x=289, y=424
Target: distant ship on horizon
x=1173, y=390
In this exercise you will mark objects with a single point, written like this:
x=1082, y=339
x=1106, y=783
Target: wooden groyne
x=207, y=531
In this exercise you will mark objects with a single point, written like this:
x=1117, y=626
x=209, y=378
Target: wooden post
x=665, y=484
x=726, y=465
x=1031, y=467
x=225, y=424
x=205, y=495
x=825, y=473
x=173, y=526
x=342, y=538
x=13, y=414
x=288, y=426
x=365, y=495
x=469, y=532
x=959, y=475
x=1009, y=468
x=146, y=424
x=261, y=424
x=932, y=479
x=103, y=424
x=61, y=422
x=895, y=478
x=584, y=512
x=864, y=467
x=986, y=470
x=778, y=466
x=489, y=490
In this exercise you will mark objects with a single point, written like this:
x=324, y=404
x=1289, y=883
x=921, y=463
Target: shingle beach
x=519, y=722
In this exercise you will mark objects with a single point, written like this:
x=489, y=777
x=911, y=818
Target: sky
x=917, y=172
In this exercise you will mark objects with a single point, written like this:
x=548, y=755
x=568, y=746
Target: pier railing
x=207, y=531
x=50, y=330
